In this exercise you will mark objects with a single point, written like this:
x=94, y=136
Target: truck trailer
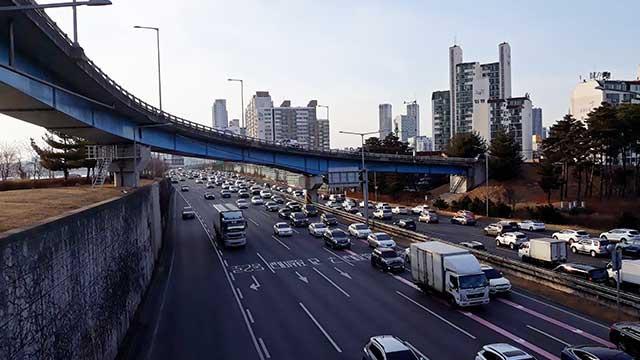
x=451, y=271
x=229, y=225
x=545, y=251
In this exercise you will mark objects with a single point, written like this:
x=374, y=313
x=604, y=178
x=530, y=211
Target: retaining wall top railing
x=155, y=115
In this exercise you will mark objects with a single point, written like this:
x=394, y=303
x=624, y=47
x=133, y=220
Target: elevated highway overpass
x=47, y=81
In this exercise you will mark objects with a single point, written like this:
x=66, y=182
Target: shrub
x=548, y=214
x=42, y=183
x=441, y=204
x=629, y=220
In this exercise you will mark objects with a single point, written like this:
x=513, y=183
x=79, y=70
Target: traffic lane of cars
x=199, y=316
x=499, y=318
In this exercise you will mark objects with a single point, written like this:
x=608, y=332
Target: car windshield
x=472, y=281
x=582, y=233
x=401, y=355
x=409, y=222
x=339, y=235
x=634, y=232
x=521, y=236
x=388, y=254
x=232, y=215
x=329, y=216
x=282, y=226
x=360, y=227
x=298, y=215
x=492, y=274
x=599, y=274
x=310, y=207
x=382, y=237
x=319, y=226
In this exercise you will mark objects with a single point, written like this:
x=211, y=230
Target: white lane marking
x=240, y=293
x=436, y=315
x=338, y=256
x=225, y=263
x=343, y=273
x=254, y=223
x=281, y=243
x=406, y=282
x=321, y=328
x=255, y=285
x=264, y=348
x=357, y=256
x=302, y=278
x=549, y=335
x=164, y=293
x=232, y=277
x=250, y=316
x=266, y=263
x=235, y=295
x=560, y=309
x=331, y=282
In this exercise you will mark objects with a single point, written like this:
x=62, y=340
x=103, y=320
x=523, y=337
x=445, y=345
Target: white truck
x=546, y=251
x=450, y=271
x=629, y=273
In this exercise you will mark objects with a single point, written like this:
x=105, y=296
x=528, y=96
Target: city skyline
x=195, y=72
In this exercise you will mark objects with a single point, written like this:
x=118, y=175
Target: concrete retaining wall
x=69, y=286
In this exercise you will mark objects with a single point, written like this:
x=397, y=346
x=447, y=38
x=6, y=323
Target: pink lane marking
x=509, y=335
x=558, y=323
x=353, y=253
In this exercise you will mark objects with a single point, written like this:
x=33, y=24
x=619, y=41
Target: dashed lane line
x=324, y=332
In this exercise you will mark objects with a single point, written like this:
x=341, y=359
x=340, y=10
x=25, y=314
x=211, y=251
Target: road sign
x=616, y=258
x=344, y=177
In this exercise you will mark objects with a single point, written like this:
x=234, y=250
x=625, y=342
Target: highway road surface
x=292, y=298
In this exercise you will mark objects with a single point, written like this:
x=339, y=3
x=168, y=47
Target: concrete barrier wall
x=69, y=286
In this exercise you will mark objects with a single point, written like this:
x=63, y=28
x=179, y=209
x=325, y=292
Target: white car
x=381, y=205
x=257, y=200
x=570, y=235
x=400, y=210
x=428, y=216
x=361, y=204
x=282, y=229
x=593, y=247
x=265, y=194
x=420, y=209
x=359, y=230
x=498, y=284
x=502, y=352
x=317, y=229
x=390, y=347
x=242, y=204
x=531, y=225
x=511, y=239
x=383, y=214
x=380, y=239
x=621, y=235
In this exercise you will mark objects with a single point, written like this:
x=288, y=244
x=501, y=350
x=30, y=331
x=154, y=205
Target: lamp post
x=157, y=30
x=74, y=4
x=365, y=182
x=243, y=126
x=135, y=147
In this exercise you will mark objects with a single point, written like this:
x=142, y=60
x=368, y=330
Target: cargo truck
x=451, y=271
x=544, y=251
x=629, y=273
x=229, y=225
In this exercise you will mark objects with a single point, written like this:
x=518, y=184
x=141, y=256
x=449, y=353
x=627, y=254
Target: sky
x=350, y=55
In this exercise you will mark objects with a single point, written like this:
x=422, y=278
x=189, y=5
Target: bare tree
x=8, y=157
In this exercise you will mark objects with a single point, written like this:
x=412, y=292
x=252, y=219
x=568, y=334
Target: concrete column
x=312, y=184
x=123, y=165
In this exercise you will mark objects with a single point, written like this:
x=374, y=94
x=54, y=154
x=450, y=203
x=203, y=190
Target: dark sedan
x=329, y=219
x=582, y=352
x=626, y=336
x=284, y=213
x=587, y=272
x=408, y=224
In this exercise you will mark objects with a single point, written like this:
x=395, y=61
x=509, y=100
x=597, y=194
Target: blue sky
x=350, y=55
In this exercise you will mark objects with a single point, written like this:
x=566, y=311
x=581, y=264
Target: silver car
x=317, y=229
x=621, y=235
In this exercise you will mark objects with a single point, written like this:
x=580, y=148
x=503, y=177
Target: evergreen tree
x=505, y=156
x=466, y=145
x=63, y=153
x=549, y=178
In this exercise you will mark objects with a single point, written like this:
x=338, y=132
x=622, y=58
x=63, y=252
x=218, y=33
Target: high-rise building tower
x=413, y=113
x=441, y=119
x=259, y=116
x=220, y=118
x=504, y=58
x=537, y=121
x=385, y=119
x=455, y=58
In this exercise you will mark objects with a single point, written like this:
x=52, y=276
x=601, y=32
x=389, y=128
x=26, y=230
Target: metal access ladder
x=103, y=154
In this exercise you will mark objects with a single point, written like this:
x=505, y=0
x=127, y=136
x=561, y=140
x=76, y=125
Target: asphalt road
x=292, y=298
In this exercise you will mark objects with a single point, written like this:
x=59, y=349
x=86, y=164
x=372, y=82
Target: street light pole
x=157, y=30
x=365, y=182
x=243, y=126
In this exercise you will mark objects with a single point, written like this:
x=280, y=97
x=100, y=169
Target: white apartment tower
x=259, y=116
x=413, y=113
x=220, y=118
x=385, y=120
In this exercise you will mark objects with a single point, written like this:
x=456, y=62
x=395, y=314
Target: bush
x=500, y=210
x=628, y=220
x=42, y=183
x=441, y=204
x=548, y=214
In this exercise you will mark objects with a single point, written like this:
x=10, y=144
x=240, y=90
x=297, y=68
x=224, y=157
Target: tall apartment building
x=234, y=126
x=441, y=119
x=406, y=127
x=258, y=115
x=385, y=120
x=589, y=94
x=413, y=113
x=537, y=121
x=323, y=139
x=220, y=117
x=515, y=116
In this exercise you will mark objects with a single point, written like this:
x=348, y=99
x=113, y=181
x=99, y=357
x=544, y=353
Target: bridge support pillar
x=126, y=168
x=459, y=184
x=312, y=184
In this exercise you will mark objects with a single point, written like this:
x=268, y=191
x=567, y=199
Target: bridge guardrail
x=517, y=268
x=154, y=114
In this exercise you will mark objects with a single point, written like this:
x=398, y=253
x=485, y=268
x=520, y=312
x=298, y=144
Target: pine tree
x=505, y=156
x=63, y=153
x=466, y=145
x=549, y=178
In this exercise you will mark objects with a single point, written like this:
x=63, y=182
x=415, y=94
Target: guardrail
x=566, y=283
x=153, y=114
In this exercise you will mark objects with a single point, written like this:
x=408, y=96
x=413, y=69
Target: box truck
x=451, y=271
x=629, y=273
x=545, y=251
x=229, y=225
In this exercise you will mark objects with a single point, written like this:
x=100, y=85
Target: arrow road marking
x=302, y=278
x=343, y=273
x=255, y=284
